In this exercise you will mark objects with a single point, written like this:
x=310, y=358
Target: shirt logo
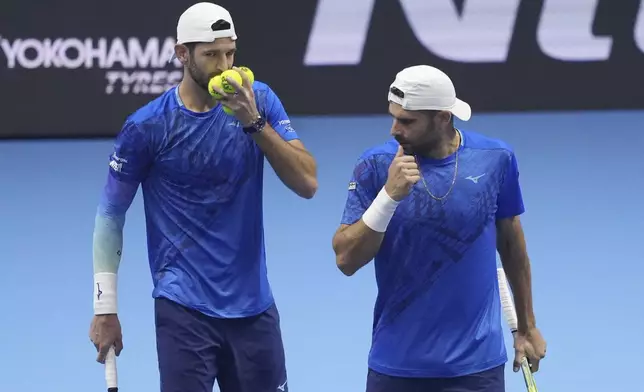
x=117, y=167
x=353, y=185
x=116, y=162
x=474, y=179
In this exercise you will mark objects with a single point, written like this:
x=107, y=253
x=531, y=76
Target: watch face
x=260, y=123
x=257, y=126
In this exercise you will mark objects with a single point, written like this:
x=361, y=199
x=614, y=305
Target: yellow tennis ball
x=232, y=74
x=249, y=74
x=228, y=111
x=215, y=82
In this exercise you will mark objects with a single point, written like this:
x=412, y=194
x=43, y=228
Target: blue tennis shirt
x=438, y=312
x=201, y=178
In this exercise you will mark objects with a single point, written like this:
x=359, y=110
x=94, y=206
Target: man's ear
x=182, y=53
x=445, y=116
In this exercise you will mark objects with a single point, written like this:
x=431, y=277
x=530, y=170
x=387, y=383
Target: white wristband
x=105, y=293
x=380, y=212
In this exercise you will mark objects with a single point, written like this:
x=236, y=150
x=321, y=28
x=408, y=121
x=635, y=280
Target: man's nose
x=395, y=130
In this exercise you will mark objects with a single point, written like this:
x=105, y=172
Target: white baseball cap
x=205, y=22
x=422, y=87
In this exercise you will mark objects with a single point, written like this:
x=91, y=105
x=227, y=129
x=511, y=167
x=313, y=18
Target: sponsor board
x=335, y=57
x=131, y=66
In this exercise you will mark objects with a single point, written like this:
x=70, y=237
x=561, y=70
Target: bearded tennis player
x=431, y=207
x=200, y=171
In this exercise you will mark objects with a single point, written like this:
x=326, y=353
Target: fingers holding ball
x=221, y=83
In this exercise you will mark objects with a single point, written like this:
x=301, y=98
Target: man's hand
x=403, y=174
x=105, y=332
x=242, y=102
x=531, y=345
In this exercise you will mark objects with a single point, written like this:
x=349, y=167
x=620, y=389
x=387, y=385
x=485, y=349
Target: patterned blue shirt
x=437, y=313
x=201, y=178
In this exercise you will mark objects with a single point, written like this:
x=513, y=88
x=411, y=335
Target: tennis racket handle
x=111, y=376
x=507, y=304
x=530, y=383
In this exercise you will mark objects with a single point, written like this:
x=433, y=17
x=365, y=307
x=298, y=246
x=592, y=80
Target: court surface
x=583, y=184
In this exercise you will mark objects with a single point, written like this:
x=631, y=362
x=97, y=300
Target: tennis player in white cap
x=201, y=171
x=431, y=207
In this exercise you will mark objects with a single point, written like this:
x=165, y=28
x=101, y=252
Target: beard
x=420, y=145
x=408, y=148
x=200, y=78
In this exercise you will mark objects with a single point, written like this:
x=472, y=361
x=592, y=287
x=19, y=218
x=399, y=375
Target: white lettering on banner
x=639, y=28
x=481, y=34
x=74, y=53
x=565, y=31
x=339, y=32
x=141, y=82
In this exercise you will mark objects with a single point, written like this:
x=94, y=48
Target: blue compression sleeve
x=108, y=242
x=109, y=222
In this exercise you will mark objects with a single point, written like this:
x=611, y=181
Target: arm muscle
x=514, y=257
x=286, y=154
x=511, y=243
x=355, y=246
x=292, y=163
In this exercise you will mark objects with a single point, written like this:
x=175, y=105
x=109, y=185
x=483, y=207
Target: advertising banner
x=77, y=68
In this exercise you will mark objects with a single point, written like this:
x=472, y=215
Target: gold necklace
x=453, y=179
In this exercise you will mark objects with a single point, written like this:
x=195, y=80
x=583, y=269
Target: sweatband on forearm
x=105, y=298
x=108, y=242
x=380, y=212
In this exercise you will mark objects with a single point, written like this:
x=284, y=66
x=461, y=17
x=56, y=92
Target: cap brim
x=462, y=110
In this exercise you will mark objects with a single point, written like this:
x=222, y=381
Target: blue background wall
x=583, y=182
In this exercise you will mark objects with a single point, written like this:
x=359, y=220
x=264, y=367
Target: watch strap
x=256, y=126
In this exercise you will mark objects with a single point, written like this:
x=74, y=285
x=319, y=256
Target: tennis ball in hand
x=227, y=110
x=220, y=82
x=249, y=74
x=215, y=82
x=232, y=74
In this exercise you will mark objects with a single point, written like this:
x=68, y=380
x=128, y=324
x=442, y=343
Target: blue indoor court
x=583, y=187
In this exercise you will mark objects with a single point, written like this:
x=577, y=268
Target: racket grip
x=111, y=376
x=507, y=305
x=527, y=375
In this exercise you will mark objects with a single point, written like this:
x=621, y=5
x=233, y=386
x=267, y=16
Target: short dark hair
x=191, y=46
x=434, y=113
